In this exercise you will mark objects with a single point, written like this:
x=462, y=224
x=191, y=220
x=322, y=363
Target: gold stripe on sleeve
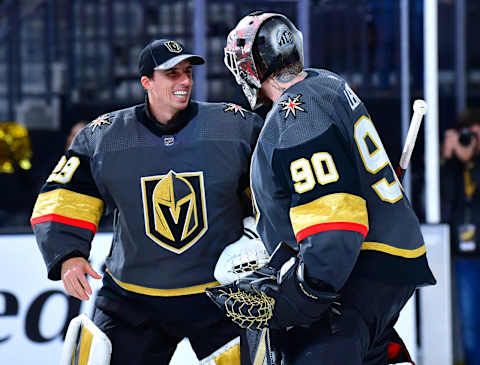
x=338, y=207
x=69, y=204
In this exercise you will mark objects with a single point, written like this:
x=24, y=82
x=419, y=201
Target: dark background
x=83, y=56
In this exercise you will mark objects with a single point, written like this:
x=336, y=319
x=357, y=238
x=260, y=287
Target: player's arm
x=328, y=214
x=248, y=253
x=244, y=190
x=65, y=219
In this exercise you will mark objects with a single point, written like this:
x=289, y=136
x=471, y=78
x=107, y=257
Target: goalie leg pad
x=85, y=344
x=228, y=354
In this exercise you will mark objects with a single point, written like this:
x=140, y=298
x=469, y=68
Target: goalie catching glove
x=274, y=296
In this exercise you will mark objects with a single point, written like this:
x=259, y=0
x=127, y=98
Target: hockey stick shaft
x=419, y=110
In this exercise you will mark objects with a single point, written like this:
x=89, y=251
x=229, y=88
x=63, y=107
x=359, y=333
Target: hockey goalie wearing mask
x=346, y=247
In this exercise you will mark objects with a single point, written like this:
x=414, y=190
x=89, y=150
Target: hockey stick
x=419, y=110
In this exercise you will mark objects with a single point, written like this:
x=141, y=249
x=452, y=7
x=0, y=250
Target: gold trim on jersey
x=395, y=251
x=338, y=207
x=195, y=289
x=69, y=204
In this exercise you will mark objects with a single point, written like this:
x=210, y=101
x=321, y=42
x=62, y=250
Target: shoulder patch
x=290, y=106
x=100, y=121
x=352, y=98
x=236, y=109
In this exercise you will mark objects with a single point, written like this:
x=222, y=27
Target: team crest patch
x=100, y=121
x=291, y=106
x=173, y=46
x=230, y=107
x=174, y=209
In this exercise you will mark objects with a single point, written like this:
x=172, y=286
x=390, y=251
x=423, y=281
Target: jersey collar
x=145, y=117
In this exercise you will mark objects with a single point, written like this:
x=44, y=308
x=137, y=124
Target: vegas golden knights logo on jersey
x=174, y=209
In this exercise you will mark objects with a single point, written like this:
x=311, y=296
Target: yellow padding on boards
x=338, y=207
x=85, y=344
x=69, y=204
x=229, y=357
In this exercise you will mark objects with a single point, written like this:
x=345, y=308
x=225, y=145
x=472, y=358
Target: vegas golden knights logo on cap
x=173, y=46
x=174, y=209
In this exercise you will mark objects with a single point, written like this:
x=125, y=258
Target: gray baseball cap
x=163, y=54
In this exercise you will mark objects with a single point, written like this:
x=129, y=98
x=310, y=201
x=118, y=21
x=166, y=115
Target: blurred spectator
x=460, y=177
x=385, y=16
x=73, y=132
x=416, y=45
x=385, y=22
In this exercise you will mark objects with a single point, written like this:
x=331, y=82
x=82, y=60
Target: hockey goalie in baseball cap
x=174, y=173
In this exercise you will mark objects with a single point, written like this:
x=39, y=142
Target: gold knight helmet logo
x=174, y=209
x=173, y=46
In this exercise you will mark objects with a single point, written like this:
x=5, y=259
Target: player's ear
x=145, y=81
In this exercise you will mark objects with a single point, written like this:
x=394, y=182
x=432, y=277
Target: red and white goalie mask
x=255, y=51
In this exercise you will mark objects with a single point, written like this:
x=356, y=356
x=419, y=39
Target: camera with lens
x=465, y=136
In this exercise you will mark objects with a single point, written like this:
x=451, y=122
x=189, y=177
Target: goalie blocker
x=241, y=257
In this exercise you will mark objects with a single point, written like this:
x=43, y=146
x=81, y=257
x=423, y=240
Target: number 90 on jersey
x=321, y=168
x=305, y=178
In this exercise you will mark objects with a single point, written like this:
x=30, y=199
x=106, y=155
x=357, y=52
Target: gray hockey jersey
x=323, y=183
x=175, y=197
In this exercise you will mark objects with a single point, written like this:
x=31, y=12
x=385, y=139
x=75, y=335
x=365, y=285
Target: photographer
x=460, y=191
x=462, y=143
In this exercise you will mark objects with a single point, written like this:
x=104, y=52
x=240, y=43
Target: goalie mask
x=261, y=44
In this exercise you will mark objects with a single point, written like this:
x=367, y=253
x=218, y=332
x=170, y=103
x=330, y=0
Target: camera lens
x=465, y=137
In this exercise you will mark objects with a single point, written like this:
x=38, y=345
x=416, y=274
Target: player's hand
x=74, y=277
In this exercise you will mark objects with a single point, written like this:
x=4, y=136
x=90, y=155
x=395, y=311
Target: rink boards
x=33, y=310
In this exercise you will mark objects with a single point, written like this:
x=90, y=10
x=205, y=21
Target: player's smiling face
x=172, y=88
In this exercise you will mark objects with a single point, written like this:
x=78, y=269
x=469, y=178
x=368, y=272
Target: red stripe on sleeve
x=61, y=219
x=342, y=226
